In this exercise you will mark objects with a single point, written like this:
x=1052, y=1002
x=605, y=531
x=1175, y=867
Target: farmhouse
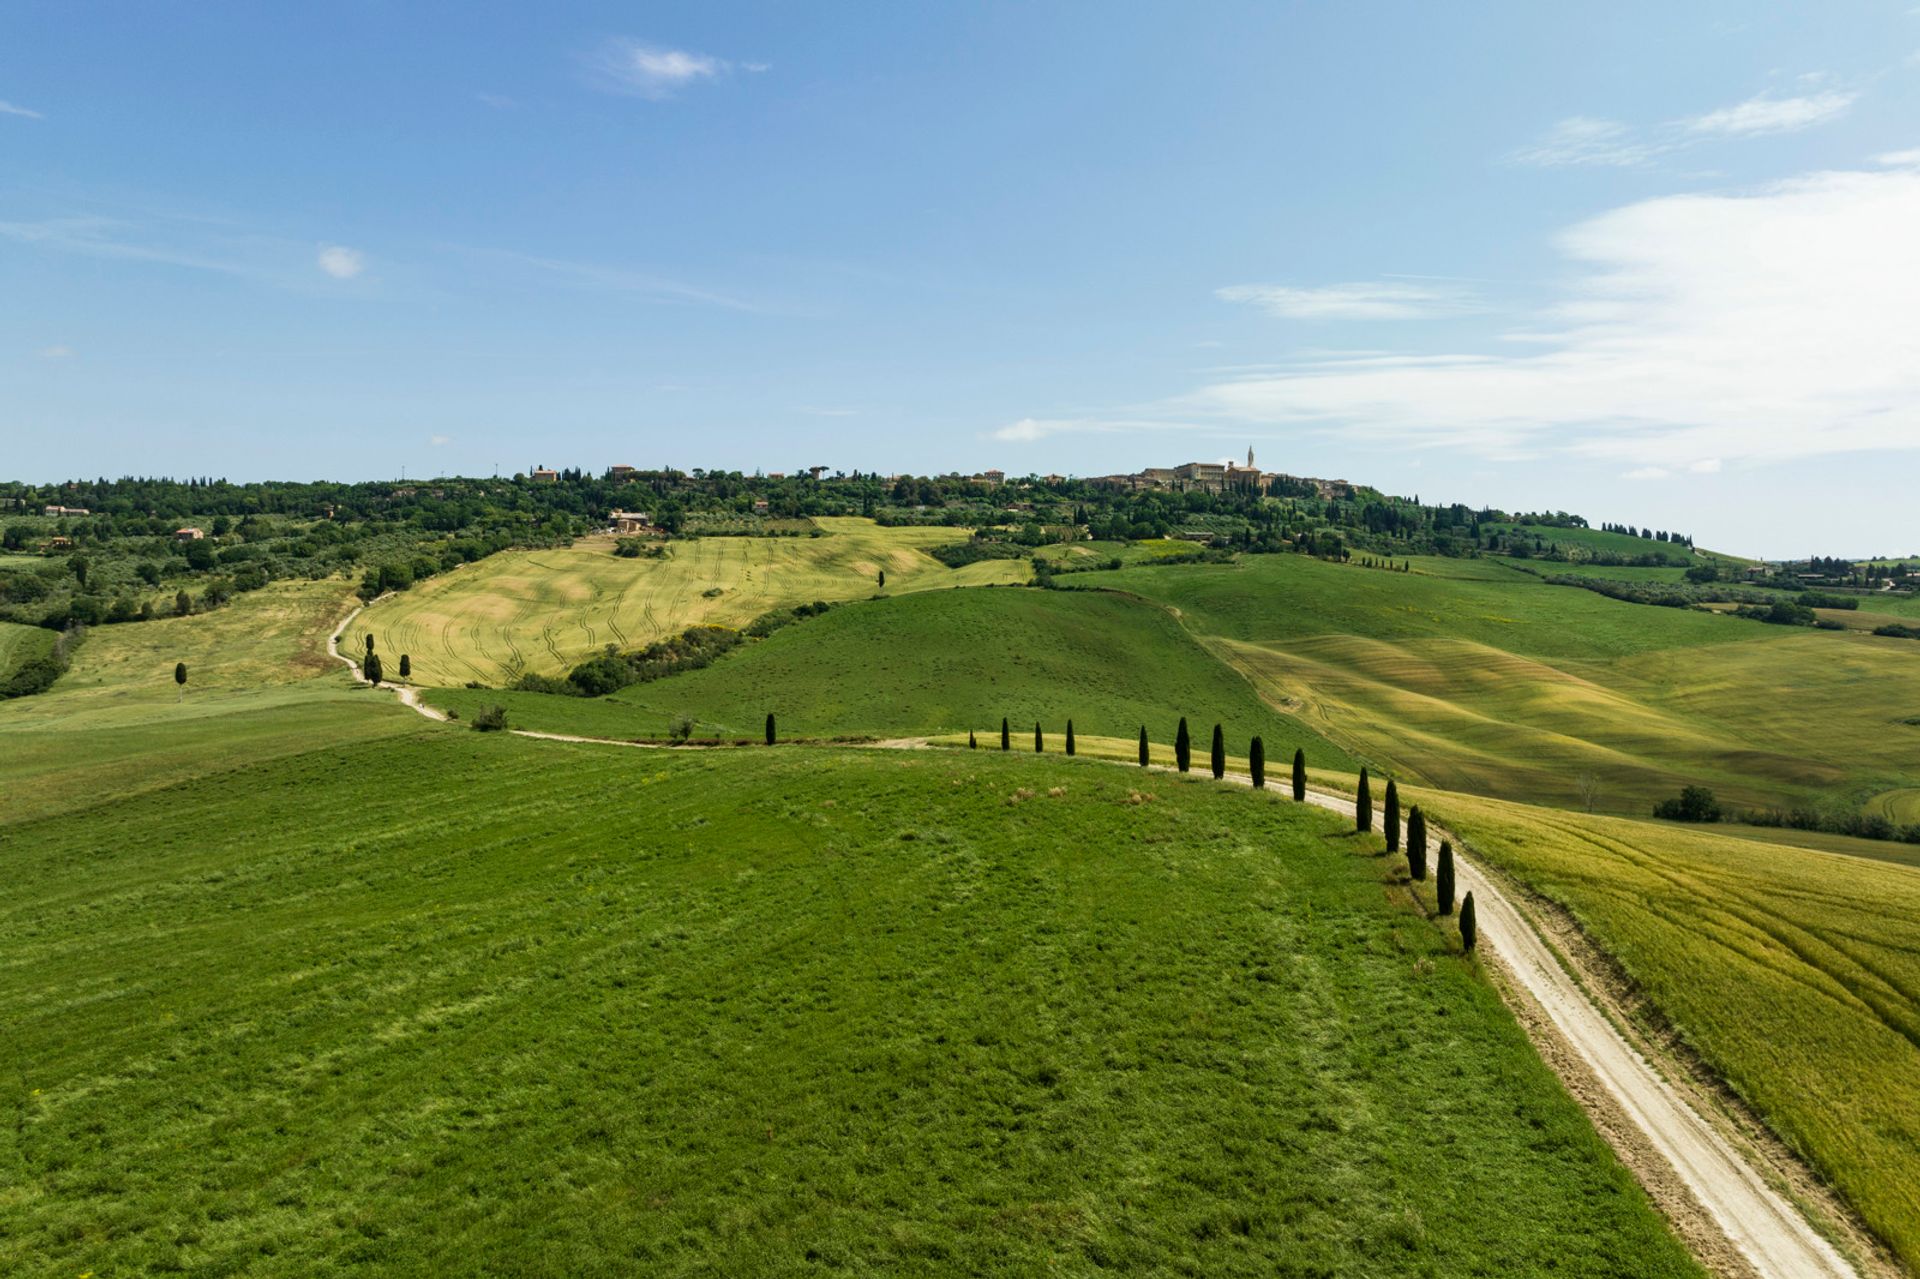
x=187, y=535
x=621, y=472
x=630, y=523
x=541, y=475
x=57, y=512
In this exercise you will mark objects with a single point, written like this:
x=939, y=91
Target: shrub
x=1895, y=630
x=489, y=719
x=1695, y=804
x=1257, y=763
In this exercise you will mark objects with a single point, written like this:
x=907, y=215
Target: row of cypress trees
x=1416, y=850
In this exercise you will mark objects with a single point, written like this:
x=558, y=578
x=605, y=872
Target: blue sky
x=1655, y=263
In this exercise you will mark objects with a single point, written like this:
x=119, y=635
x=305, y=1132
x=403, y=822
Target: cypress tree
x=369, y=643
x=1257, y=763
x=1417, y=843
x=1143, y=746
x=372, y=668
x=1469, y=931
x=1363, y=804
x=1443, y=878
x=406, y=666
x=1183, y=747
x=1038, y=746
x=1299, y=776
x=1219, y=753
x=180, y=678
x=1069, y=737
x=972, y=743
x=1392, y=817
x=770, y=728
x=1006, y=742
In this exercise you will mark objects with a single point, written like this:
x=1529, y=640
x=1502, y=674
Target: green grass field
x=1795, y=975
x=1472, y=677
x=759, y=1012
x=20, y=644
x=942, y=662
x=545, y=611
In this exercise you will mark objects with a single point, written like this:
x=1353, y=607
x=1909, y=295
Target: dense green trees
x=1695, y=804
x=1469, y=927
x=1257, y=763
x=1182, y=747
x=1363, y=804
x=1143, y=746
x=1391, y=817
x=1218, y=757
x=1069, y=737
x=1417, y=843
x=1299, y=776
x=1443, y=878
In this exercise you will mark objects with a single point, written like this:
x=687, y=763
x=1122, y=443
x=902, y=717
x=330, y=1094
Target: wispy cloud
x=55, y=353
x=1029, y=429
x=1596, y=141
x=623, y=65
x=1377, y=300
x=438, y=440
x=1583, y=139
x=602, y=277
x=341, y=262
x=1764, y=114
x=1899, y=159
x=1761, y=326
x=8, y=108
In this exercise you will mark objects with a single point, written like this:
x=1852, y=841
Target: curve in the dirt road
x=1773, y=1236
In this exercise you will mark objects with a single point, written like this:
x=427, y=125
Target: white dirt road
x=1772, y=1235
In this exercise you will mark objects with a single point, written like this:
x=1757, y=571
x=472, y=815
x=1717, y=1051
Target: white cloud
x=8, y=108
x=1764, y=326
x=1647, y=473
x=1585, y=139
x=1899, y=159
x=1029, y=429
x=341, y=262
x=1379, y=300
x=1706, y=466
x=56, y=353
x=649, y=71
x=438, y=440
x=1765, y=114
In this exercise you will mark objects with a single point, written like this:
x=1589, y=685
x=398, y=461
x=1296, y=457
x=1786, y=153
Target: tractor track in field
x=1732, y=1218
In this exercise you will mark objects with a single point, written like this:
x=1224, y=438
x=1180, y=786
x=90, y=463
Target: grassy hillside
x=19, y=644
x=545, y=611
x=259, y=684
x=1487, y=680
x=759, y=1012
x=1795, y=974
x=940, y=662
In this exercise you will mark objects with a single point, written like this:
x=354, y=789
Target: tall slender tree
x=1069, y=737
x=369, y=643
x=1182, y=747
x=180, y=678
x=1443, y=878
x=1006, y=742
x=1038, y=745
x=406, y=666
x=1143, y=746
x=1299, y=776
x=1219, y=755
x=770, y=736
x=371, y=668
x=1391, y=818
x=1417, y=843
x=1469, y=926
x=972, y=743
x=1363, y=804
x=1257, y=763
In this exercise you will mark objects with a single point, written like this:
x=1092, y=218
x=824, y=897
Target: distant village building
x=622, y=472
x=187, y=535
x=633, y=523
x=760, y=506
x=57, y=544
x=58, y=512
x=541, y=475
x=990, y=477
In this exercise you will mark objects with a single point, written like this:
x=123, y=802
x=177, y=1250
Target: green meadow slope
x=1472, y=676
x=943, y=662
x=759, y=1012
